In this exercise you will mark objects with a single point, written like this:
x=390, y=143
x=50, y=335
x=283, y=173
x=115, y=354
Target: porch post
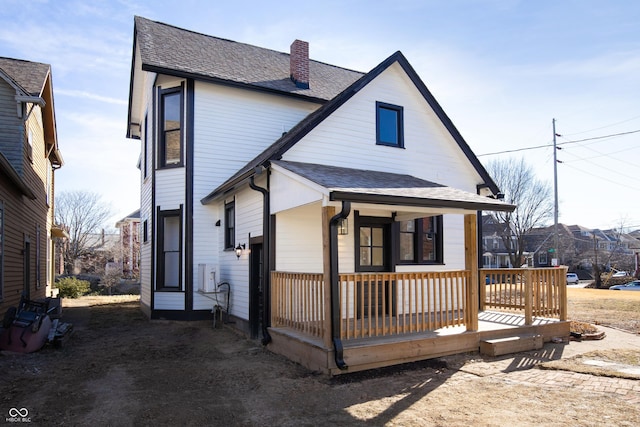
x=327, y=213
x=471, y=265
x=561, y=280
x=528, y=297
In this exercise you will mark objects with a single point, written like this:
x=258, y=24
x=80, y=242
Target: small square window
x=389, y=125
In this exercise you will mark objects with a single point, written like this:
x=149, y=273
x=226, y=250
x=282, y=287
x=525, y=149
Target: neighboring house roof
x=132, y=217
x=102, y=241
x=31, y=76
x=175, y=51
x=288, y=140
x=492, y=227
x=33, y=81
x=367, y=186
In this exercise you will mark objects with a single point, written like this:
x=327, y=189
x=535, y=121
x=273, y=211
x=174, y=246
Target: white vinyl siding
x=230, y=268
x=231, y=127
x=170, y=187
x=299, y=239
x=348, y=137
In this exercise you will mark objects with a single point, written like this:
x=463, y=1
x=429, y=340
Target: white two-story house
x=309, y=188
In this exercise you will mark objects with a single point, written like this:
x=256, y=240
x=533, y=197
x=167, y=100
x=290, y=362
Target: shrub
x=71, y=287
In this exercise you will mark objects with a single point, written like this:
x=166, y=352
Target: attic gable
x=290, y=139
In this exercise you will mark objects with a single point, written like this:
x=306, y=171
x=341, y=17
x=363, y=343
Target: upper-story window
x=145, y=139
x=389, y=125
x=29, y=138
x=170, y=129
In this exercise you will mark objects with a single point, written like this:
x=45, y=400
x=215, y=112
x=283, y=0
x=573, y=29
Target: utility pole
x=555, y=191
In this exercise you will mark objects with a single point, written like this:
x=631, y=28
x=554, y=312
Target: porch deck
x=393, y=318
x=369, y=353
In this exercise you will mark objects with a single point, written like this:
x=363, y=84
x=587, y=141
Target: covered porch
x=392, y=318
x=348, y=309
x=359, y=321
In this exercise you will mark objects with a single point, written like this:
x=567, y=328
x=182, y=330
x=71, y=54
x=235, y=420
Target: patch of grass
x=617, y=309
x=617, y=356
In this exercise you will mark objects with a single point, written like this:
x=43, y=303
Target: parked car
x=572, y=279
x=619, y=274
x=631, y=286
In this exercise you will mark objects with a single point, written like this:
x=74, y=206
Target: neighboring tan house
x=322, y=196
x=29, y=156
x=129, y=227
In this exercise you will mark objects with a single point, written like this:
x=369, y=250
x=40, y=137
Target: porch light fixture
x=239, y=249
x=343, y=227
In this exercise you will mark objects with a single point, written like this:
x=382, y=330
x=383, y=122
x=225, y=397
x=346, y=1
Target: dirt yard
x=121, y=369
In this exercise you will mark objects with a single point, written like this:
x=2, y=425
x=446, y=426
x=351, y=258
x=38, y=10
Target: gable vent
x=299, y=63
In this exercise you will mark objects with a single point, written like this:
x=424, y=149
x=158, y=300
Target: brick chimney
x=299, y=63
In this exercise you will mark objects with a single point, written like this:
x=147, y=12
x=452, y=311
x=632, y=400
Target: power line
x=591, y=174
x=561, y=143
x=604, y=127
x=600, y=137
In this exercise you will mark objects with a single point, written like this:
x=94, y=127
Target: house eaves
x=374, y=187
x=288, y=140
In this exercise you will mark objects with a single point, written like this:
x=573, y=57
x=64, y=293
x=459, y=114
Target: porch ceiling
x=365, y=186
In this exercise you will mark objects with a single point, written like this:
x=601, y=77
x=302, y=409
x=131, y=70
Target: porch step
x=515, y=344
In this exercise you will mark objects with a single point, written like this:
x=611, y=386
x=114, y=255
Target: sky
x=501, y=69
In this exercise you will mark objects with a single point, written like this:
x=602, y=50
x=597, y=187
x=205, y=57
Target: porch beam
x=471, y=265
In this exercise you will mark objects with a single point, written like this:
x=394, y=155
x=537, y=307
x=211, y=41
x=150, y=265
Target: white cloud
x=91, y=96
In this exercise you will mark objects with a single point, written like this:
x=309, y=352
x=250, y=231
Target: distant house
x=544, y=244
x=129, y=227
x=29, y=155
x=102, y=250
x=322, y=196
x=494, y=251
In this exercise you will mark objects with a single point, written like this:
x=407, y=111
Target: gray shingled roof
x=390, y=188
x=29, y=75
x=171, y=50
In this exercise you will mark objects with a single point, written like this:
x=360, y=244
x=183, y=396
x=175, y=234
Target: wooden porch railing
x=371, y=304
x=384, y=304
x=534, y=291
x=297, y=302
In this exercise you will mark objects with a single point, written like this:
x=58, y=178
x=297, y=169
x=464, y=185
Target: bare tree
x=532, y=197
x=80, y=213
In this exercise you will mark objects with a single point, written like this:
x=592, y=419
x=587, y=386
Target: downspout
x=266, y=300
x=335, y=290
